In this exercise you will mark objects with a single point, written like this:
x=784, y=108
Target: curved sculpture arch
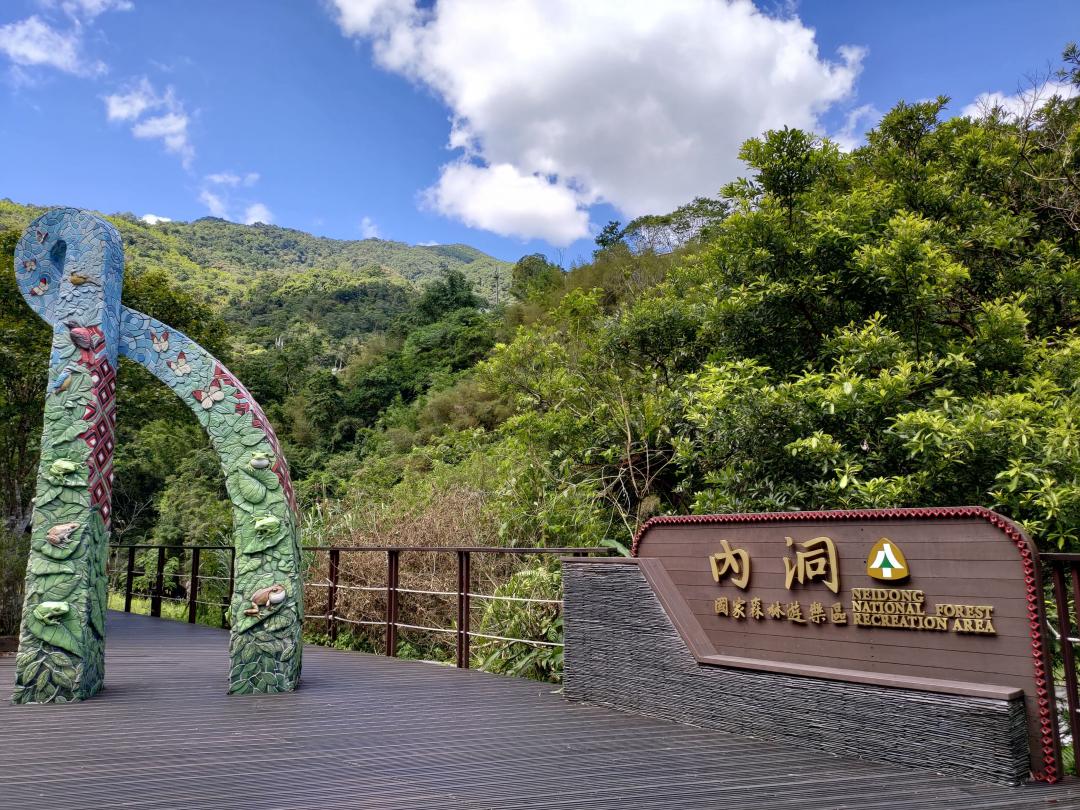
x=69, y=266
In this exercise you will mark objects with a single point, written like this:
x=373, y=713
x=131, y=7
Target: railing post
x=193, y=591
x=331, y=596
x=391, y=601
x=130, y=579
x=228, y=598
x=1067, y=655
x=1074, y=718
x=159, y=583
x=464, y=579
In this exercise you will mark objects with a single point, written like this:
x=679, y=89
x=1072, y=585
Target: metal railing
x=1063, y=573
x=464, y=593
x=333, y=621
x=157, y=590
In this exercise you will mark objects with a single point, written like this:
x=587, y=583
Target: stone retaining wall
x=622, y=651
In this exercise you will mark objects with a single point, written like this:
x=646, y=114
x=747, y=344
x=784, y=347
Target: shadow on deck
x=371, y=732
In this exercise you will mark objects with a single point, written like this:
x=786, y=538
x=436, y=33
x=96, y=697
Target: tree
x=609, y=236
x=534, y=278
x=788, y=162
x=24, y=352
x=667, y=232
x=450, y=293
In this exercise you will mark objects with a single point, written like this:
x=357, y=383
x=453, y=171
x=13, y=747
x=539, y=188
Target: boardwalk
x=372, y=732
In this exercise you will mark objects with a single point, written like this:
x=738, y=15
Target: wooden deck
x=372, y=732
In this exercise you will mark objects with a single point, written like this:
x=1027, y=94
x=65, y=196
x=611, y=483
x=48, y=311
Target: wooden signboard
x=939, y=600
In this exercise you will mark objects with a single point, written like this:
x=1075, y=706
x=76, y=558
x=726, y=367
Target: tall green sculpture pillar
x=69, y=266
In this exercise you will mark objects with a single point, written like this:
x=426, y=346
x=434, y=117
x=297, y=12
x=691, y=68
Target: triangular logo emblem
x=887, y=562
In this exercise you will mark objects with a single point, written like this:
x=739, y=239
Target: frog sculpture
x=51, y=612
x=267, y=597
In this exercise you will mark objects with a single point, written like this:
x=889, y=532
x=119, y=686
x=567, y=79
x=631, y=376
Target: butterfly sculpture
x=41, y=287
x=180, y=366
x=207, y=398
x=161, y=342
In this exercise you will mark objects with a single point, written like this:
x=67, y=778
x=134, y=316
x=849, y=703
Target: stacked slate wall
x=622, y=651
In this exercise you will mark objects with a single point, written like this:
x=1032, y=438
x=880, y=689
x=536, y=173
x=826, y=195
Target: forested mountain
x=327, y=334
x=218, y=256
x=241, y=249
x=891, y=326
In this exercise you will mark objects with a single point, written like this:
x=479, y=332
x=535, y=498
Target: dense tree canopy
x=889, y=327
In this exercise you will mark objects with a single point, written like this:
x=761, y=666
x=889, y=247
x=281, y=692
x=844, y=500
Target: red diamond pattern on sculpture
x=101, y=413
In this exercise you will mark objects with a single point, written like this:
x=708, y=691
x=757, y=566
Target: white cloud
x=172, y=129
x=218, y=195
x=430, y=244
x=563, y=103
x=359, y=17
x=233, y=180
x=154, y=219
x=169, y=124
x=503, y=200
x=166, y=127
x=257, y=212
x=856, y=123
x=1021, y=102
x=368, y=229
x=214, y=203
x=130, y=105
x=88, y=9
x=34, y=43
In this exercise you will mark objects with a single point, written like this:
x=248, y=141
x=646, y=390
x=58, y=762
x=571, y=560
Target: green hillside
x=237, y=248
x=220, y=258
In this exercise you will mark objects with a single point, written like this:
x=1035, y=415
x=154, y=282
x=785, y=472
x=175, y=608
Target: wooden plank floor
x=370, y=732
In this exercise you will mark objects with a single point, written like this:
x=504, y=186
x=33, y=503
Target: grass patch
x=1067, y=760
x=141, y=605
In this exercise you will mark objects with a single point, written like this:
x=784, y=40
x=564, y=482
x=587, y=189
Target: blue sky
x=519, y=126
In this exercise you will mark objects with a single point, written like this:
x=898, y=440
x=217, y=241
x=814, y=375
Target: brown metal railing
x=157, y=590
x=390, y=620
x=1063, y=574
x=464, y=594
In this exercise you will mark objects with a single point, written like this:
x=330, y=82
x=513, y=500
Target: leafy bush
x=524, y=620
x=14, y=549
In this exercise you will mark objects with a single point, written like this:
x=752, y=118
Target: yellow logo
x=887, y=562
